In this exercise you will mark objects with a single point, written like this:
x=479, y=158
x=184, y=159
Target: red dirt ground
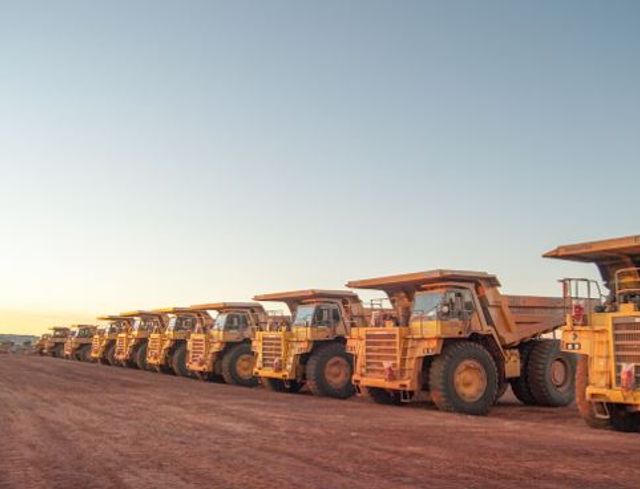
x=66, y=424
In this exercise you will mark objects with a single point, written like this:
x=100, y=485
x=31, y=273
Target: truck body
x=78, y=343
x=131, y=343
x=39, y=347
x=456, y=339
x=222, y=348
x=167, y=349
x=605, y=336
x=54, y=344
x=103, y=344
x=311, y=350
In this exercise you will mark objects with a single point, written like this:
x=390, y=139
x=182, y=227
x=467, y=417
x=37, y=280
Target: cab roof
x=600, y=252
x=174, y=310
x=609, y=255
x=59, y=328
x=221, y=306
x=133, y=314
x=112, y=317
x=303, y=295
x=418, y=279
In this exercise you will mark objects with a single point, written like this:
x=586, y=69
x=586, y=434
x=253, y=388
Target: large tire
x=623, y=420
x=58, y=351
x=586, y=407
x=179, y=360
x=383, y=396
x=111, y=355
x=464, y=379
x=277, y=385
x=140, y=356
x=237, y=366
x=551, y=374
x=84, y=353
x=329, y=371
x=520, y=385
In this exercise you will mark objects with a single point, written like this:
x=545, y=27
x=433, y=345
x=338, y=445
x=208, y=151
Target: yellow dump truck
x=78, y=343
x=605, y=335
x=39, y=347
x=312, y=350
x=103, y=344
x=54, y=345
x=456, y=339
x=223, y=349
x=167, y=349
x=131, y=343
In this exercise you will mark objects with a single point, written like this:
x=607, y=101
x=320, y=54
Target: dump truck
x=167, y=349
x=605, y=335
x=131, y=344
x=39, y=347
x=103, y=344
x=54, y=346
x=78, y=343
x=312, y=350
x=222, y=349
x=455, y=339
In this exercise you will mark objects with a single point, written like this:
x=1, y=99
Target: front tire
x=586, y=407
x=623, y=420
x=140, y=357
x=237, y=366
x=464, y=379
x=329, y=371
x=179, y=360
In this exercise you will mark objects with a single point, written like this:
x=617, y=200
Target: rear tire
x=520, y=385
x=179, y=360
x=278, y=385
x=551, y=374
x=140, y=356
x=237, y=366
x=383, y=396
x=111, y=355
x=329, y=371
x=586, y=407
x=464, y=379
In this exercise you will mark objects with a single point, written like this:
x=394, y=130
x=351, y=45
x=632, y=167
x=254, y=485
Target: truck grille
x=197, y=349
x=626, y=345
x=95, y=345
x=121, y=347
x=380, y=351
x=154, y=346
x=271, y=349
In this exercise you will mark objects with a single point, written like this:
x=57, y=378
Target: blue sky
x=157, y=153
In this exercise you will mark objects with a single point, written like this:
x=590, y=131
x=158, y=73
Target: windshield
x=180, y=323
x=425, y=305
x=137, y=324
x=220, y=321
x=304, y=315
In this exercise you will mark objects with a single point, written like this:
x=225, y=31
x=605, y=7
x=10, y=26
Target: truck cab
x=167, y=348
x=602, y=326
x=131, y=344
x=312, y=350
x=455, y=339
x=78, y=343
x=221, y=348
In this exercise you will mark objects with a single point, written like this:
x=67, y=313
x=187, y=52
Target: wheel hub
x=337, y=372
x=470, y=380
x=559, y=373
x=244, y=366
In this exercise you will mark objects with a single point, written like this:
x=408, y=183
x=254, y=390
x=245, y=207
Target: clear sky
x=157, y=153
